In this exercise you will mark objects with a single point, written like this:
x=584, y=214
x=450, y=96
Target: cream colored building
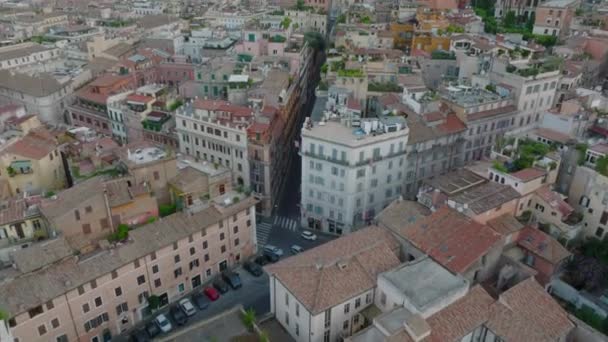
x=32, y=163
x=55, y=295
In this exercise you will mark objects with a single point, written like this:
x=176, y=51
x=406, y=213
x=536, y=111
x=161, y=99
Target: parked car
x=233, y=279
x=201, y=301
x=253, y=268
x=152, y=329
x=178, y=315
x=295, y=249
x=163, y=323
x=271, y=257
x=273, y=249
x=139, y=336
x=220, y=285
x=306, y=235
x=211, y=293
x=261, y=260
x=187, y=307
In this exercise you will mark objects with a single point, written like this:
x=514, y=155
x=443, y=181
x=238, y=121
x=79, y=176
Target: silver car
x=187, y=307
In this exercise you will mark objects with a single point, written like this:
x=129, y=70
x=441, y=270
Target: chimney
x=417, y=327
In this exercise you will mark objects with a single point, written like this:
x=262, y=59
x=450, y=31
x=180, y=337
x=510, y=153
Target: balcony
x=327, y=158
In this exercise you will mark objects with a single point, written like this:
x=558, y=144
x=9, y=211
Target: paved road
x=254, y=294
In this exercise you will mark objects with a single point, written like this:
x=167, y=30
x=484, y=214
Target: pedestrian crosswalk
x=263, y=232
x=286, y=223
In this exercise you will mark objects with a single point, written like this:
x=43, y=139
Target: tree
x=510, y=20
x=153, y=302
x=286, y=23
x=249, y=318
x=300, y=6
x=342, y=19
x=315, y=40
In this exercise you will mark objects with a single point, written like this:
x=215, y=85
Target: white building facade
x=349, y=174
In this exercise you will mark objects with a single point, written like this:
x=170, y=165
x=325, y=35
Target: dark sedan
x=178, y=315
x=253, y=268
x=201, y=301
x=220, y=285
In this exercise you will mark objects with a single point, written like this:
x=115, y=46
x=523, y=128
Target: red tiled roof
x=461, y=317
x=88, y=95
x=258, y=127
x=37, y=144
x=138, y=98
x=336, y=271
x=599, y=148
x=451, y=238
x=526, y=312
x=452, y=124
x=529, y=174
x=541, y=244
x=491, y=112
x=552, y=135
x=433, y=116
x=555, y=200
x=209, y=104
x=107, y=80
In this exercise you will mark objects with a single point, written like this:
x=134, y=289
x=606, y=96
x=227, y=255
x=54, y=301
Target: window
x=326, y=336
x=368, y=298
x=194, y=263
x=156, y=175
x=142, y=296
x=357, y=303
x=141, y=279
x=205, y=245
x=36, y=311
x=297, y=330
x=114, y=274
x=383, y=298
x=287, y=318
x=120, y=308
x=118, y=291
x=62, y=338
x=346, y=308
x=236, y=242
x=157, y=283
x=192, y=250
x=223, y=249
x=155, y=269
x=98, y=302
x=176, y=258
x=206, y=257
x=297, y=310
x=177, y=272
x=604, y=218
x=85, y=307
x=55, y=323
x=327, y=318
x=345, y=325
x=599, y=232
x=86, y=228
x=234, y=217
x=42, y=330
x=222, y=236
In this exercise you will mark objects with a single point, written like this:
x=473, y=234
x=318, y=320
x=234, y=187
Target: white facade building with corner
x=351, y=170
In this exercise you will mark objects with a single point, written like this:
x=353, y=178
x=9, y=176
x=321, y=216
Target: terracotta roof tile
x=555, y=200
x=526, y=312
x=37, y=144
x=317, y=279
x=543, y=245
x=451, y=238
x=529, y=174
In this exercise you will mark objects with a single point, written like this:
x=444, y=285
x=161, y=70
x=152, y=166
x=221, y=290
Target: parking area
x=221, y=328
x=253, y=294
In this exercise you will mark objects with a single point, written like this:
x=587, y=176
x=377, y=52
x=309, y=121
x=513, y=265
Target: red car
x=211, y=293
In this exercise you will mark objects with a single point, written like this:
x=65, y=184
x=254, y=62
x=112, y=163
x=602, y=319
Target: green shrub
x=153, y=302
x=121, y=234
x=166, y=209
x=499, y=166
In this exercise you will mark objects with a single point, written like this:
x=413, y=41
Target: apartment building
x=150, y=166
x=216, y=131
x=554, y=17
x=54, y=294
x=588, y=193
x=90, y=211
x=21, y=55
x=532, y=94
x=350, y=171
x=90, y=107
x=332, y=310
x=525, y=8
x=20, y=223
x=33, y=162
x=28, y=25
x=487, y=115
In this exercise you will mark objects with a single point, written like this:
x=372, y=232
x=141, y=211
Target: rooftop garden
x=277, y=39
x=510, y=23
x=528, y=153
x=548, y=65
x=285, y=23
x=384, y=87
x=350, y=73
x=175, y=104
x=442, y=54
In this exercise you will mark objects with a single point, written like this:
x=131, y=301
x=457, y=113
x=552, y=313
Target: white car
x=163, y=323
x=295, y=249
x=187, y=307
x=308, y=235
